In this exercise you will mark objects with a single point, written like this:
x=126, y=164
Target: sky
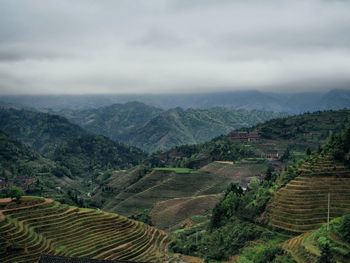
x=173, y=46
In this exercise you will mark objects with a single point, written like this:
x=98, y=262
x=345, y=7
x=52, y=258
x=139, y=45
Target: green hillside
x=37, y=226
x=153, y=129
x=23, y=167
x=71, y=159
x=156, y=186
x=258, y=224
x=313, y=127
x=332, y=243
x=302, y=204
x=290, y=136
x=115, y=120
x=177, y=126
x=42, y=131
x=93, y=153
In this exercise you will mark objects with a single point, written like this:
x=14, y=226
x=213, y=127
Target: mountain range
x=293, y=102
x=152, y=129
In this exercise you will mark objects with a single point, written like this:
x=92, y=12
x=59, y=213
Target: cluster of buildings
x=244, y=136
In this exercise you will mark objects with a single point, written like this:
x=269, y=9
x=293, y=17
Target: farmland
x=301, y=205
x=43, y=226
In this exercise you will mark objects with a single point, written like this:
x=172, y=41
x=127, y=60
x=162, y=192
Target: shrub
x=15, y=193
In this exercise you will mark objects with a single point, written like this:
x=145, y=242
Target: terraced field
x=240, y=172
x=164, y=185
x=26, y=232
x=168, y=213
x=306, y=247
x=302, y=205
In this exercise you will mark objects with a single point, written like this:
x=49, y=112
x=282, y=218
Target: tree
x=269, y=173
x=308, y=151
x=326, y=255
x=15, y=193
x=345, y=228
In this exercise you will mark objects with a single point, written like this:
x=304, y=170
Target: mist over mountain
x=293, y=103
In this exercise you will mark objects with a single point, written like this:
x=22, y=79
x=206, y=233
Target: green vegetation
x=15, y=193
x=114, y=121
x=153, y=129
x=42, y=131
x=266, y=249
x=322, y=245
x=290, y=136
x=312, y=127
x=220, y=199
x=175, y=170
x=92, y=153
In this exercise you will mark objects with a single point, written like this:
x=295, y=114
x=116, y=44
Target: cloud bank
x=160, y=46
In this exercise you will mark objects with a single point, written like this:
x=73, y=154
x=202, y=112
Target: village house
x=271, y=155
x=244, y=136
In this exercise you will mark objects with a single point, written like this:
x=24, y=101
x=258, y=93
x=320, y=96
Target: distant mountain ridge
x=152, y=129
x=297, y=102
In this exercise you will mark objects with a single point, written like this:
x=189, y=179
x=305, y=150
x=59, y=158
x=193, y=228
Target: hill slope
x=155, y=186
x=23, y=167
x=115, y=120
x=93, y=153
x=153, y=129
x=293, y=133
x=36, y=227
x=308, y=246
x=177, y=126
x=302, y=205
x=41, y=131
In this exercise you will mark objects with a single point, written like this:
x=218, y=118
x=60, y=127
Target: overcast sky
x=151, y=46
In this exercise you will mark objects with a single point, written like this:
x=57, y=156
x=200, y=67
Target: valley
x=237, y=197
x=174, y=131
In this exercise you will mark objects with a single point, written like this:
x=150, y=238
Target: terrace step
x=302, y=205
x=58, y=229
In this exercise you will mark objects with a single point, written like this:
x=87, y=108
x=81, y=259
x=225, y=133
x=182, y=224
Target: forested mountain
x=284, y=135
x=178, y=127
x=23, y=167
x=115, y=120
x=153, y=129
x=93, y=153
x=42, y=131
x=71, y=157
x=316, y=125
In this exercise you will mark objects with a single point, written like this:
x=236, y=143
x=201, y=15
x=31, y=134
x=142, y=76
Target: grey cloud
x=61, y=46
